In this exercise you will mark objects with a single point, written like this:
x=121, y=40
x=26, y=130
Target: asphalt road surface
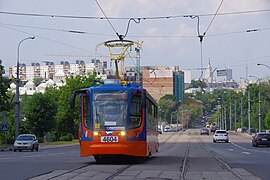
x=182, y=155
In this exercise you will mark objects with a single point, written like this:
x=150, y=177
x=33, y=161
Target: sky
x=238, y=37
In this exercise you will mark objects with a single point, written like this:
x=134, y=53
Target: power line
x=41, y=37
x=107, y=19
x=122, y=18
x=135, y=36
x=213, y=18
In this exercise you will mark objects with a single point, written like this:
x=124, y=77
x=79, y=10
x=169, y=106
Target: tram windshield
x=110, y=109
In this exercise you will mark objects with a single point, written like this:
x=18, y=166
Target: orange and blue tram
x=117, y=120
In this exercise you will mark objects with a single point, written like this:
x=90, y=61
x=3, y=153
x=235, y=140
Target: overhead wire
x=201, y=36
x=123, y=18
x=107, y=18
x=41, y=37
x=213, y=18
x=135, y=36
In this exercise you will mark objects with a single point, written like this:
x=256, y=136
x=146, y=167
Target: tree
x=168, y=104
x=67, y=121
x=198, y=84
x=4, y=85
x=39, y=112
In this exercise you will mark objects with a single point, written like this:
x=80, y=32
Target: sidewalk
x=6, y=147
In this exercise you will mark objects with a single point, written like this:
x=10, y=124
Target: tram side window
x=149, y=113
x=86, y=111
x=135, y=112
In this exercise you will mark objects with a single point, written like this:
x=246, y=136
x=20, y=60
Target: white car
x=167, y=129
x=26, y=142
x=220, y=135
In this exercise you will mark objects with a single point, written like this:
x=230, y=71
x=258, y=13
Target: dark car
x=261, y=138
x=204, y=131
x=26, y=142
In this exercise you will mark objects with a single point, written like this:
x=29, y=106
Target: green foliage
x=9, y=135
x=37, y=81
x=68, y=137
x=39, y=112
x=198, y=84
x=67, y=121
x=4, y=85
x=168, y=104
x=267, y=120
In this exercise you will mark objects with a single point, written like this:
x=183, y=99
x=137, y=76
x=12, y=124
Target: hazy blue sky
x=169, y=41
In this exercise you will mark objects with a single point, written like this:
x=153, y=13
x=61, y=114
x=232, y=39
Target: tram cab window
x=135, y=112
x=109, y=110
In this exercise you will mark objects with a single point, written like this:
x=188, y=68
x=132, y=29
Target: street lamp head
x=32, y=37
x=259, y=64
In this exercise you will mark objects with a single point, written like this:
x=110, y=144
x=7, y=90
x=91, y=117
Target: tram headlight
x=123, y=133
x=95, y=133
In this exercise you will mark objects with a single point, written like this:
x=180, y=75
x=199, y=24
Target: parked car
x=167, y=129
x=261, y=138
x=221, y=135
x=26, y=142
x=204, y=131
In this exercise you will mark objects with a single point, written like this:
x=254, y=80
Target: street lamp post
x=17, y=103
x=249, y=123
x=260, y=64
x=260, y=115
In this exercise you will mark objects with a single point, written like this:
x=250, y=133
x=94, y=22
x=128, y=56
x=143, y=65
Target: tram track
x=217, y=158
x=94, y=170
x=184, y=164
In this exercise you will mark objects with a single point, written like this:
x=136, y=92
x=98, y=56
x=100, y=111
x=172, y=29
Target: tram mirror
x=72, y=102
x=73, y=97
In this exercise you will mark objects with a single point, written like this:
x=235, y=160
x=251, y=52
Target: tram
x=117, y=120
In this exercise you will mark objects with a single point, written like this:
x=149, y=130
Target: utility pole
x=230, y=112
x=235, y=115
x=249, y=123
x=225, y=124
x=260, y=115
x=242, y=123
x=222, y=118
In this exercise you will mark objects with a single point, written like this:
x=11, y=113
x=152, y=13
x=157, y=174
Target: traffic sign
x=5, y=128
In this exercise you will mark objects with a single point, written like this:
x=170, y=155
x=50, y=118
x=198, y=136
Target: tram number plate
x=109, y=138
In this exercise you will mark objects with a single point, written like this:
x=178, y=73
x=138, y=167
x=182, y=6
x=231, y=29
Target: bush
x=68, y=137
x=40, y=140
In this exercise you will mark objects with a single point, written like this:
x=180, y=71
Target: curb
x=6, y=149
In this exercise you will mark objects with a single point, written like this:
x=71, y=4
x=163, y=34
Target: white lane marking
x=246, y=153
x=248, y=149
x=32, y=156
x=53, y=154
x=6, y=158
x=230, y=149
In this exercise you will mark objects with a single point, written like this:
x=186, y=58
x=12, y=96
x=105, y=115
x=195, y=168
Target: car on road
x=204, y=131
x=221, y=135
x=26, y=142
x=261, y=138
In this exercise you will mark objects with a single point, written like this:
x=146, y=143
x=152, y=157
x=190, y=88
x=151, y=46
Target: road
x=182, y=155
x=239, y=153
x=27, y=164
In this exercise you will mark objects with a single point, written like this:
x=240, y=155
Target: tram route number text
x=109, y=138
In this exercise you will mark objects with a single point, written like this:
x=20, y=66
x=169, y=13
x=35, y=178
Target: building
x=58, y=72
x=162, y=80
